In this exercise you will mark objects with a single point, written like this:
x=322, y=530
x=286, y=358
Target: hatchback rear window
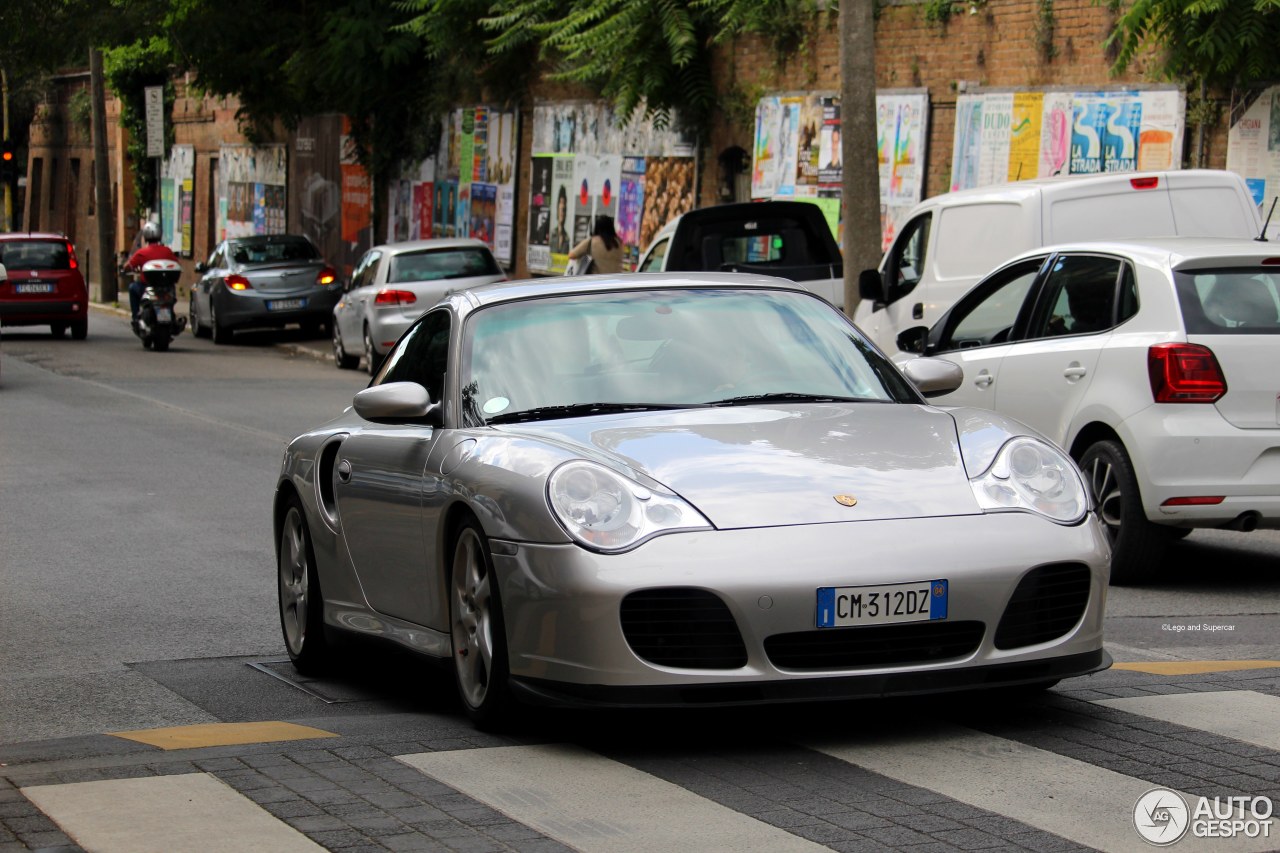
x=272, y=250
x=35, y=255
x=1230, y=301
x=435, y=264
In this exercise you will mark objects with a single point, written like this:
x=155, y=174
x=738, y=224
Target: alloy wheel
x=294, y=598
x=473, y=626
x=1105, y=487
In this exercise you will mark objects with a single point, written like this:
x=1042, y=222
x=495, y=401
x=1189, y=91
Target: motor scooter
x=157, y=322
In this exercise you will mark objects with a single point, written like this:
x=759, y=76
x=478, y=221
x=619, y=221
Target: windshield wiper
x=792, y=397
x=577, y=410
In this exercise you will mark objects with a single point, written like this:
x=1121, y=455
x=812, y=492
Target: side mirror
x=202, y=267
x=871, y=285
x=915, y=339
x=397, y=401
x=933, y=377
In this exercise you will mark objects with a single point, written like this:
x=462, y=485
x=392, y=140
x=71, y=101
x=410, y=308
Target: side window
x=422, y=356
x=1079, y=296
x=653, y=263
x=364, y=272
x=907, y=258
x=216, y=260
x=989, y=313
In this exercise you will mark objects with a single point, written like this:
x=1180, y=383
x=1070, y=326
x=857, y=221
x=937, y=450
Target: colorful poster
x=540, y=209
x=177, y=173
x=245, y=172
x=484, y=204
x=809, y=151
x=423, y=200
x=608, y=183
x=563, y=192
x=445, y=209
x=830, y=154
x=1089, y=120
x=906, y=169
x=789, y=165
x=466, y=148
x=1253, y=152
x=1160, y=137
x=357, y=195
x=1055, y=134
x=668, y=193
x=630, y=207
x=1120, y=135
x=185, y=208
x=766, y=155
x=967, y=150
x=1024, y=135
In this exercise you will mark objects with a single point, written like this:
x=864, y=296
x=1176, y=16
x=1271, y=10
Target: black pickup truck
x=788, y=239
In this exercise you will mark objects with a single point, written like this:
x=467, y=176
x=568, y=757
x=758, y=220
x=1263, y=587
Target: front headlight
x=606, y=511
x=1030, y=475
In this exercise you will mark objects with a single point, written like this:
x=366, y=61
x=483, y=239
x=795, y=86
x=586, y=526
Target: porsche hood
x=762, y=466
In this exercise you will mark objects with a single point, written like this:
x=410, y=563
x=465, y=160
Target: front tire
x=79, y=330
x=301, y=601
x=161, y=343
x=479, y=636
x=1136, y=544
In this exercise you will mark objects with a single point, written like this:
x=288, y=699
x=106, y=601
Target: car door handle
x=917, y=311
x=344, y=471
x=983, y=379
x=1075, y=371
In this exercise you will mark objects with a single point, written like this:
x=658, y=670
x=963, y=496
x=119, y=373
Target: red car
x=45, y=286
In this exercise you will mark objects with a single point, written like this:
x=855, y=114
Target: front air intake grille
x=878, y=645
x=682, y=627
x=1048, y=603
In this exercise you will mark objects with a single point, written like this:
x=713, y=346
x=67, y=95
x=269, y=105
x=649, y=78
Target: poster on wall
x=1253, y=151
x=315, y=191
x=1000, y=136
x=252, y=190
x=588, y=164
x=477, y=149
x=176, y=178
x=798, y=152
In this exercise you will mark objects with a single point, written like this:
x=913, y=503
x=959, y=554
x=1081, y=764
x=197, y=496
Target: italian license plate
x=164, y=315
x=883, y=604
x=33, y=287
x=286, y=304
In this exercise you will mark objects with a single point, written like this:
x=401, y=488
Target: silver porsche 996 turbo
x=682, y=489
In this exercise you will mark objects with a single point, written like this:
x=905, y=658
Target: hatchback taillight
x=326, y=276
x=395, y=297
x=71, y=257
x=1184, y=373
x=238, y=282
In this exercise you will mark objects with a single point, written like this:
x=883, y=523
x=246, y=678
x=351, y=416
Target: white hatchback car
x=1153, y=362
x=397, y=283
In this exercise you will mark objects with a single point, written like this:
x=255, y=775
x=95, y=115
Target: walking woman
x=603, y=246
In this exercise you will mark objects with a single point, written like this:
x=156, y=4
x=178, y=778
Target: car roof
x=31, y=235
x=435, y=243
x=514, y=291
x=1174, y=251
x=1029, y=186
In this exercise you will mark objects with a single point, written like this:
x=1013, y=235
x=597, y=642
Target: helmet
x=151, y=232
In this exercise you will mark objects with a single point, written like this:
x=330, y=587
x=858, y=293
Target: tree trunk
x=861, y=188
x=104, y=211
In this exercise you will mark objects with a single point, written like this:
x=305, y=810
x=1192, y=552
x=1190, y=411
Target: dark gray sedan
x=263, y=281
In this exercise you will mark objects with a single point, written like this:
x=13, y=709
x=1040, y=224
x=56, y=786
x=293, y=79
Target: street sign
x=155, y=120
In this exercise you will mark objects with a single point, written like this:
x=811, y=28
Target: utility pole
x=861, y=179
x=105, y=211
x=7, y=223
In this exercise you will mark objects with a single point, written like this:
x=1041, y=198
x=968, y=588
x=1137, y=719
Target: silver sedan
x=669, y=489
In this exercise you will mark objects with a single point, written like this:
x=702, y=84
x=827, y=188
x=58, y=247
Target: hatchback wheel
x=478, y=633
x=373, y=361
x=58, y=329
x=221, y=334
x=79, y=330
x=301, y=602
x=1136, y=544
x=340, y=357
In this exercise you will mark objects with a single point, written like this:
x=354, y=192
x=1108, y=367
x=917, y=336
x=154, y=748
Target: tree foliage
x=1221, y=43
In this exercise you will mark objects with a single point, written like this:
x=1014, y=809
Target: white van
x=952, y=240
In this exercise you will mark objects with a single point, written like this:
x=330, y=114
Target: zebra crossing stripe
x=190, y=813
x=1078, y=801
x=596, y=805
x=1242, y=715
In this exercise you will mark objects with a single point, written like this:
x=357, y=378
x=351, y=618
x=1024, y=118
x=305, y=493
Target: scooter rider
x=154, y=250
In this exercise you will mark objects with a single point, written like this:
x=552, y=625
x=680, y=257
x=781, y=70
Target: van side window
x=907, y=258
x=989, y=313
x=1080, y=296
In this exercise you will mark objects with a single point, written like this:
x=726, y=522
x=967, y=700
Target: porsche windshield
x=572, y=355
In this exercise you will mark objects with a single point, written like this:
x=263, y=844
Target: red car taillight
x=1184, y=373
x=326, y=276
x=395, y=297
x=237, y=282
x=71, y=257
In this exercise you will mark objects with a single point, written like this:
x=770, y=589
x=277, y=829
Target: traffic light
x=8, y=161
